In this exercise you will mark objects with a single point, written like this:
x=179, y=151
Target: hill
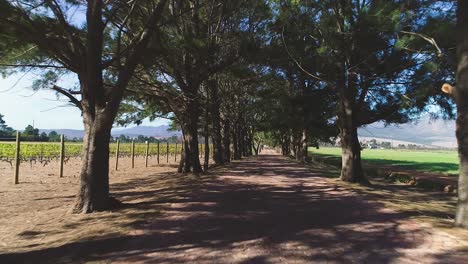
x=439, y=133
x=149, y=131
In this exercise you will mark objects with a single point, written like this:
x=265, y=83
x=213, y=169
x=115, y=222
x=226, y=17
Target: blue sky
x=22, y=106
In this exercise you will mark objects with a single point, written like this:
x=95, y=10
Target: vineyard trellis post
x=167, y=152
x=158, y=152
x=62, y=154
x=133, y=154
x=117, y=150
x=17, y=157
x=146, y=153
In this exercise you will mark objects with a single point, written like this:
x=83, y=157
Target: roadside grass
x=422, y=202
x=444, y=162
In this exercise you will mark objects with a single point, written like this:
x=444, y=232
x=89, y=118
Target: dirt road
x=265, y=209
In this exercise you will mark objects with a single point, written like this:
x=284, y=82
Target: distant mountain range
x=149, y=131
x=430, y=133
x=439, y=133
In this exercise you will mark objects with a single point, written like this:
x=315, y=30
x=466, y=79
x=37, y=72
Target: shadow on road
x=260, y=210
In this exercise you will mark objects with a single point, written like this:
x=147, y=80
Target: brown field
x=35, y=213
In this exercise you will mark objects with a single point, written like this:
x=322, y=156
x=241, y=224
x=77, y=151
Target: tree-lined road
x=273, y=210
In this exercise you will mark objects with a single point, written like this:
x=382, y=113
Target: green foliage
x=30, y=133
x=54, y=136
x=5, y=131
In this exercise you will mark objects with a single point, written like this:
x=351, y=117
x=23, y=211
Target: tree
x=367, y=57
x=460, y=95
x=30, y=133
x=103, y=52
x=54, y=136
x=199, y=40
x=5, y=131
x=43, y=137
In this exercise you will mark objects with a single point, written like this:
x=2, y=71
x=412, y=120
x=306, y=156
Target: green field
x=429, y=161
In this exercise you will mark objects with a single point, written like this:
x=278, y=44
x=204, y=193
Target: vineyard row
x=45, y=152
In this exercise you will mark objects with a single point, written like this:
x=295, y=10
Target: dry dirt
x=35, y=214
x=266, y=209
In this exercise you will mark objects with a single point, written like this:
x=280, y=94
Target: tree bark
x=305, y=147
x=461, y=98
x=207, y=153
x=216, y=122
x=301, y=146
x=227, y=140
x=235, y=142
x=190, y=161
x=351, y=166
x=207, y=141
x=93, y=193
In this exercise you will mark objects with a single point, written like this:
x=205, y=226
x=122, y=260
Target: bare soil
x=265, y=209
x=35, y=214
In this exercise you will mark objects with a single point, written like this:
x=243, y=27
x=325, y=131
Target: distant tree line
x=33, y=134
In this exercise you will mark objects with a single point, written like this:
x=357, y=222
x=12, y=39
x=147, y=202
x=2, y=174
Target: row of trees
x=30, y=133
x=237, y=73
x=143, y=139
x=151, y=57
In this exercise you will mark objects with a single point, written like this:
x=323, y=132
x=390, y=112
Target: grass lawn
x=429, y=161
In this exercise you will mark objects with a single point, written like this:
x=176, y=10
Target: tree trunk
x=301, y=145
x=461, y=98
x=207, y=142
x=351, y=166
x=285, y=145
x=190, y=161
x=250, y=143
x=216, y=122
x=235, y=142
x=227, y=140
x=305, y=147
x=244, y=142
x=93, y=193
x=207, y=153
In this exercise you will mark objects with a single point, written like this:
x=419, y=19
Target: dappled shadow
x=261, y=210
x=453, y=256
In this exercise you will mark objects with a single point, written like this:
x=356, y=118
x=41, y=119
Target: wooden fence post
x=17, y=157
x=167, y=152
x=158, y=152
x=117, y=150
x=146, y=153
x=175, y=152
x=62, y=154
x=133, y=154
